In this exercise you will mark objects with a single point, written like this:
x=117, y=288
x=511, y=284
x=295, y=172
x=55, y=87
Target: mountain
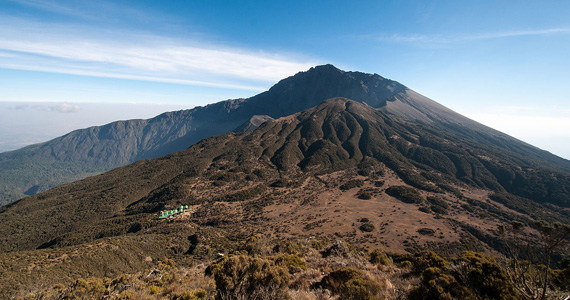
x=337, y=135
x=90, y=151
x=319, y=173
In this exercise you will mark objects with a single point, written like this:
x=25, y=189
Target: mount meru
x=90, y=151
x=323, y=155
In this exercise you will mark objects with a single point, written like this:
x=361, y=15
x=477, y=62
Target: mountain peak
x=308, y=89
x=327, y=68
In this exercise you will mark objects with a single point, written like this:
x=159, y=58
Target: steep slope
x=93, y=150
x=318, y=173
x=337, y=135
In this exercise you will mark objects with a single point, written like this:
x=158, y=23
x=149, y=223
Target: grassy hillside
x=339, y=135
x=341, y=170
x=260, y=268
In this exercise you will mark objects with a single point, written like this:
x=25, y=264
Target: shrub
x=439, y=209
x=367, y=227
x=426, y=231
x=380, y=258
x=253, y=245
x=317, y=245
x=486, y=277
x=378, y=183
x=292, y=262
x=405, y=264
x=89, y=286
x=405, y=194
x=424, y=209
x=352, y=184
x=287, y=246
x=236, y=276
x=365, y=196
x=365, y=167
x=436, y=284
x=437, y=201
x=467, y=207
x=350, y=283
x=338, y=248
x=561, y=278
x=199, y=294
x=280, y=183
x=154, y=290
x=224, y=176
x=126, y=295
x=438, y=205
x=428, y=259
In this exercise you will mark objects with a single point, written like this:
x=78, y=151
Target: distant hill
x=90, y=151
x=320, y=173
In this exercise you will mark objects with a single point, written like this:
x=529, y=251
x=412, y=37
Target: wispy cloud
x=87, y=10
x=457, y=38
x=55, y=107
x=495, y=35
x=65, y=108
x=84, y=50
x=51, y=6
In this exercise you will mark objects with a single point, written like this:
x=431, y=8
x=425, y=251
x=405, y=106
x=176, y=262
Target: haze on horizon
x=70, y=65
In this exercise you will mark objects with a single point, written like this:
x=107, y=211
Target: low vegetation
x=352, y=184
x=239, y=275
x=367, y=227
x=352, y=283
x=339, y=271
x=405, y=194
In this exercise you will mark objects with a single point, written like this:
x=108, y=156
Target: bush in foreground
x=436, y=284
x=352, y=284
x=258, y=278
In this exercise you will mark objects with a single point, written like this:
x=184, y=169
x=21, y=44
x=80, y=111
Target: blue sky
x=503, y=63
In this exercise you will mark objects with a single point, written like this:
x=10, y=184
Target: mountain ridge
x=93, y=150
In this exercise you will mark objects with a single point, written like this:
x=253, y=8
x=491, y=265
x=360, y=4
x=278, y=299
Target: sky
x=66, y=65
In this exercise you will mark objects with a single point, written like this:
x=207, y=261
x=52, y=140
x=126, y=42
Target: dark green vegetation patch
x=405, y=194
x=354, y=183
x=367, y=227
